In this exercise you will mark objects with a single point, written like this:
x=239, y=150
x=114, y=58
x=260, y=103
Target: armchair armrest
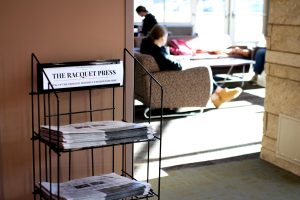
x=187, y=88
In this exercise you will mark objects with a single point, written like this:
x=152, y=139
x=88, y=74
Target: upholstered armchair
x=187, y=88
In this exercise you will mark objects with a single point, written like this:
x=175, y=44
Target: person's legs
x=259, y=60
x=215, y=85
x=258, y=67
x=221, y=95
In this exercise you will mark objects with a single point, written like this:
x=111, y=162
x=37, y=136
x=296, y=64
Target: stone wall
x=283, y=75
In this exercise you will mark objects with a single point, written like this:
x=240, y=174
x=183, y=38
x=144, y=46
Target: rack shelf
x=56, y=166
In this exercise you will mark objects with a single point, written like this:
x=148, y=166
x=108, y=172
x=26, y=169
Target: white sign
x=83, y=76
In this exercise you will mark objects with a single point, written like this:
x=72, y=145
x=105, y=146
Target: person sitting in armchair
x=154, y=45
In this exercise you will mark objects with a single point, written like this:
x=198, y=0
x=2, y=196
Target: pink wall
x=55, y=30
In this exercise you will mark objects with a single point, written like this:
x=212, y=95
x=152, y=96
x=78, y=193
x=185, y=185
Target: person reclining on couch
x=258, y=54
x=154, y=45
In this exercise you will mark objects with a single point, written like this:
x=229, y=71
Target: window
x=210, y=17
x=247, y=18
x=241, y=21
x=166, y=11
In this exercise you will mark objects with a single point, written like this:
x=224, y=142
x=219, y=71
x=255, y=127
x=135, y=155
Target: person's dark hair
x=157, y=32
x=141, y=9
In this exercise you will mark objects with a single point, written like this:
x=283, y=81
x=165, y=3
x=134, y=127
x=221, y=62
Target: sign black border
x=41, y=66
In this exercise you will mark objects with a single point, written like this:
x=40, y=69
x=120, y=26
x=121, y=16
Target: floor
x=240, y=178
x=236, y=128
x=215, y=154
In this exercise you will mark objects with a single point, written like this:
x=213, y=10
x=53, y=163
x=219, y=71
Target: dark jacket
x=160, y=55
x=148, y=23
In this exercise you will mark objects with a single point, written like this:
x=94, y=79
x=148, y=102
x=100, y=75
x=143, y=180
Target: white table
x=219, y=62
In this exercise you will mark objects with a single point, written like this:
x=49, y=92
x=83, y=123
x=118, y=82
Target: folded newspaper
x=106, y=187
x=94, y=127
x=83, y=144
x=98, y=133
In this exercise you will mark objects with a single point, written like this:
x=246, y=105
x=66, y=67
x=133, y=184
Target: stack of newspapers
x=106, y=187
x=98, y=133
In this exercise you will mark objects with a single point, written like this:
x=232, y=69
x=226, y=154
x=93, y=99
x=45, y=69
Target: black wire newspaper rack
x=54, y=105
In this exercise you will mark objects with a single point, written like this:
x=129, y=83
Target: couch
x=138, y=40
x=187, y=88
